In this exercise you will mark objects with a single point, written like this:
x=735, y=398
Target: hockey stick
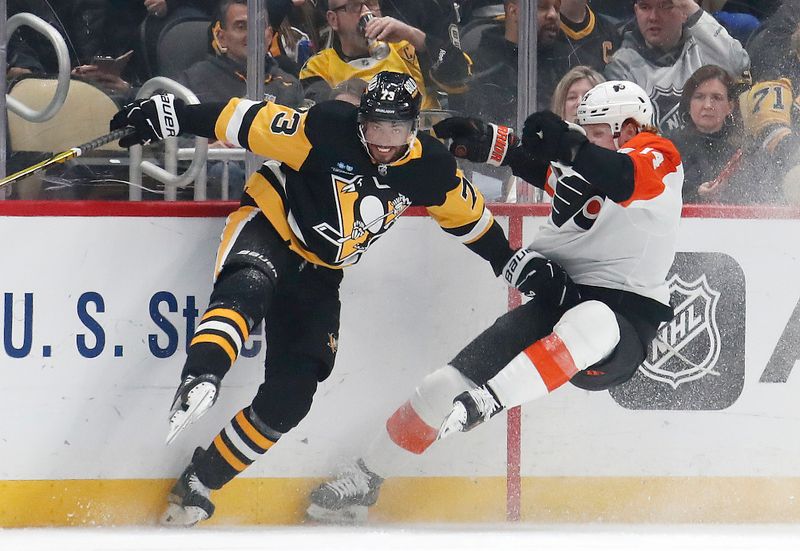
x=65, y=156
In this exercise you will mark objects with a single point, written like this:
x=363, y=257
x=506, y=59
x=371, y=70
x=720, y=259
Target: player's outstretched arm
x=163, y=116
x=480, y=142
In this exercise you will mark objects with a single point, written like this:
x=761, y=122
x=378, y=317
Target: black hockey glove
x=451, y=70
x=152, y=119
x=547, y=137
x=475, y=140
x=541, y=279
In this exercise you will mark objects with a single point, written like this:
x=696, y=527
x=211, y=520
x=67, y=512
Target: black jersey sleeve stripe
x=276, y=182
x=247, y=121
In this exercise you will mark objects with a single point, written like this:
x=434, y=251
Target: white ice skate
x=193, y=399
x=346, y=499
x=470, y=409
x=189, y=501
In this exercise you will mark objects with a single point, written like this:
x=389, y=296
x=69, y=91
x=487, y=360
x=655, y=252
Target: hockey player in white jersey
x=595, y=274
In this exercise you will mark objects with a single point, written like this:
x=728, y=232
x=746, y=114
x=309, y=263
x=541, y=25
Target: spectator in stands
x=593, y=37
x=410, y=51
x=570, y=91
x=492, y=94
x=710, y=138
x=224, y=75
x=670, y=41
x=771, y=49
x=349, y=90
x=436, y=18
x=771, y=132
x=291, y=46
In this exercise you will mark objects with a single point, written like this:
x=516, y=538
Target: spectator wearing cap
x=670, y=40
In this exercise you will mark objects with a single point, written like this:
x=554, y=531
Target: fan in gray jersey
x=669, y=42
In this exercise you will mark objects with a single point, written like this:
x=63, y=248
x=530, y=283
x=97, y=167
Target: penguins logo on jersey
x=366, y=209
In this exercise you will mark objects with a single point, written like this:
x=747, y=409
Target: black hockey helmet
x=390, y=96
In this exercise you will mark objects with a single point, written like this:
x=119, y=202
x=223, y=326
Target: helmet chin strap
x=365, y=143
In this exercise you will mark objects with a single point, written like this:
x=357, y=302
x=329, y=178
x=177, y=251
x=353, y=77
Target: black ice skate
x=470, y=409
x=194, y=398
x=188, y=502
x=345, y=499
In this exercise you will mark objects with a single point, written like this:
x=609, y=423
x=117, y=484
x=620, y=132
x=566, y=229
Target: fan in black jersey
x=343, y=176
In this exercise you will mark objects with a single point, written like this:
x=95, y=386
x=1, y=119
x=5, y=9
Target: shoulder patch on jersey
x=408, y=53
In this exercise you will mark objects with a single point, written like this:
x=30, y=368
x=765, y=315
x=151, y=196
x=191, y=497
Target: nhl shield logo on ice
x=687, y=347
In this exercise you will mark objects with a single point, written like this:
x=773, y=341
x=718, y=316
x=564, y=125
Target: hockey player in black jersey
x=342, y=176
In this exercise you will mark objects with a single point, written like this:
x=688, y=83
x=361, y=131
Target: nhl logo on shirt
x=696, y=361
x=666, y=102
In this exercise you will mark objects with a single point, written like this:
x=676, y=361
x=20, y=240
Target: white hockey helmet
x=613, y=102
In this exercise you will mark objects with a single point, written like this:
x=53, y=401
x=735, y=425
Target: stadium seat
x=181, y=43
x=84, y=116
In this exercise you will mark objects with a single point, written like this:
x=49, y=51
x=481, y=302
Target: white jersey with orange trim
x=630, y=245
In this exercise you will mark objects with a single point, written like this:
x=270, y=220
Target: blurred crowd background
x=721, y=75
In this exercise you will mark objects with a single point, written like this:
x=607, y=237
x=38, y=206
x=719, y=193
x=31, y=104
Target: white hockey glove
x=152, y=119
x=476, y=140
x=540, y=278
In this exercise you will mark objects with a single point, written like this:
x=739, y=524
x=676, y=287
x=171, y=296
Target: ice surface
x=410, y=538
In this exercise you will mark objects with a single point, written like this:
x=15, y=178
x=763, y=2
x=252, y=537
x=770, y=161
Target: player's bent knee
x=243, y=287
x=589, y=331
x=415, y=424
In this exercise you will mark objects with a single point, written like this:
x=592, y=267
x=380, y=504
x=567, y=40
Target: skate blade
x=177, y=515
x=200, y=399
x=355, y=514
x=454, y=422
